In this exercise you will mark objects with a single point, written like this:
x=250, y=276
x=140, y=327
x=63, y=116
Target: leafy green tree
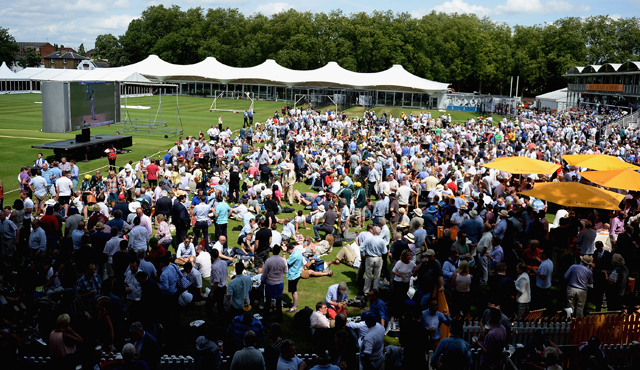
x=81, y=50
x=8, y=47
x=30, y=59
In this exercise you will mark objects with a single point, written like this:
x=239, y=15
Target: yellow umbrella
x=522, y=165
x=573, y=194
x=619, y=179
x=598, y=162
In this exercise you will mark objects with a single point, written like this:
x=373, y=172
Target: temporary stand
x=154, y=126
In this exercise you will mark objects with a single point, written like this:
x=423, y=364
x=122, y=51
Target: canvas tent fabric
x=5, y=72
x=554, y=99
x=269, y=72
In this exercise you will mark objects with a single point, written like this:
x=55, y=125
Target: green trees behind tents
x=471, y=53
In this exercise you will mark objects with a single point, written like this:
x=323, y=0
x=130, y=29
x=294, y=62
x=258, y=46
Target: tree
x=8, y=47
x=108, y=47
x=31, y=59
x=81, y=50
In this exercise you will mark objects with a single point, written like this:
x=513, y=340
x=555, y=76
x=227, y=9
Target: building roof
x=66, y=55
x=395, y=78
x=28, y=44
x=558, y=95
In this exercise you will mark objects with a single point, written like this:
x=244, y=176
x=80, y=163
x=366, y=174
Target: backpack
x=302, y=320
x=146, y=207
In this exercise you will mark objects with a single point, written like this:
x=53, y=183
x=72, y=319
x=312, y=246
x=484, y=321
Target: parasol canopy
x=522, y=165
x=619, y=179
x=574, y=194
x=598, y=162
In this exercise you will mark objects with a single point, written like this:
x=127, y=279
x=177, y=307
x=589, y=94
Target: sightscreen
x=92, y=103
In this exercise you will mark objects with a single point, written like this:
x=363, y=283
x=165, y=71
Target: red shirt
x=253, y=171
x=152, y=172
x=529, y=256
x=155, y=254
x=49, y=224
x=452, y=185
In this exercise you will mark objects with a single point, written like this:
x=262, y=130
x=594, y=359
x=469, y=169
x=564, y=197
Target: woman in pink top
x=63, y=340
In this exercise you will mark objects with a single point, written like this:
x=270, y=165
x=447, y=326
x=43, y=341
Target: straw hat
x=410, y=238
x=418, y=212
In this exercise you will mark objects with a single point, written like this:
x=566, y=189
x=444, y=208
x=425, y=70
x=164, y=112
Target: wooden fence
x=611, y=329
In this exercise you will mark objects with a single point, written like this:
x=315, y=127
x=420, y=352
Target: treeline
x=472, y=53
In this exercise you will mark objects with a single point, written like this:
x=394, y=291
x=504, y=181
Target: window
x=64, y=61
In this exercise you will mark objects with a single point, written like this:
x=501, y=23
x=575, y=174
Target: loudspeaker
x=84, y=136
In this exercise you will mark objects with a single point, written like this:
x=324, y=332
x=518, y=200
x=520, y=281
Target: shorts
x=358, y=213
x=110, y=271
x=41, y=199
x=292, y=285
x=64, y=200
x=113, y=197
x=153, y=182
x=258, y=259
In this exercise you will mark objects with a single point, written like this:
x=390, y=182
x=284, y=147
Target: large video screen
x=93, y=103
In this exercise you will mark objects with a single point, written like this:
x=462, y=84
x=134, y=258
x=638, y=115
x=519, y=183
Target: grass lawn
x=20, y=128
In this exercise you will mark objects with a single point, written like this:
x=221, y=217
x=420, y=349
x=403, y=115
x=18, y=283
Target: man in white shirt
x=219, y=245
x=145, y=221
x=186, y=252
x=196, y=281
x=132, y=286
x=64, y=187
x=201, y=213
x=111, y=247
x=318, y=319
x=276, y=236
x=203, y=262
x=137, y=237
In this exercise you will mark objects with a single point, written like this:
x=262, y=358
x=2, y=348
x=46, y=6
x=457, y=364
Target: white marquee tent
x=553, y=100
x=332, y=75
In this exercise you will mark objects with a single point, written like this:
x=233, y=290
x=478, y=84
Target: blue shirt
x=38, y=240
x=294, y=263
x=238, y=290
x=579, y=276
x=169, y=279
x=420, y=235
x=222, y=209
x=457, y=352
x=8, y=229
x=374, y=246
x=246, y=218
x=473, y=228
x=379, y=308
x=56, y=173
x=46, y=174
x=433, y=322
x=76, y=237
x=75, y=171
x=334, y=295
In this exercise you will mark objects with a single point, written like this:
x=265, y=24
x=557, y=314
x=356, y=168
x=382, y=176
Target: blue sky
x=72, y=22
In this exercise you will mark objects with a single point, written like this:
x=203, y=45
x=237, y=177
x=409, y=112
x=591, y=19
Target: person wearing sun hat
x=578, y=278
x=417, y=220
x=360, y=201
x=345, y=193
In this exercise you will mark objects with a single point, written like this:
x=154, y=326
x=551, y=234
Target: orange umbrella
x=574, y=194
x=522, y=165
x=598, y=162
x=618, y=179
